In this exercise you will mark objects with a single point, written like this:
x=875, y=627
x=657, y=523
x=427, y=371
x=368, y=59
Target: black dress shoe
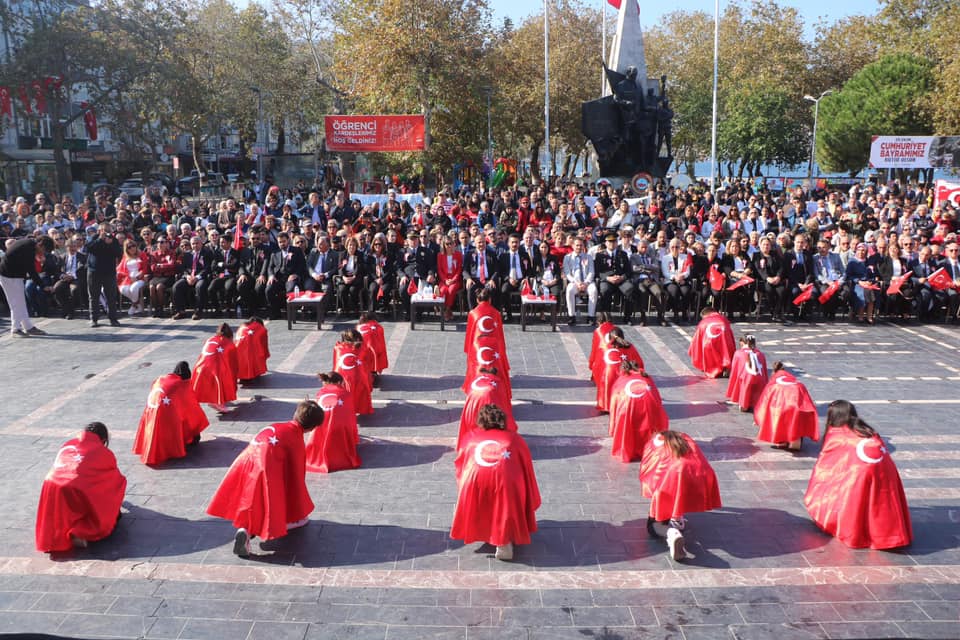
x=94, y=324
x=629, y=322
x=571, y=322
x=114, y=322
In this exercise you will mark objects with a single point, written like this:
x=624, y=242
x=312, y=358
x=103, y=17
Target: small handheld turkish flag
x=826, y=295
x=742, y=282
x=805, y=295
x=716, y=278
x=940, y=280
x=412, y=287
x=525, y=289
x=897, y=283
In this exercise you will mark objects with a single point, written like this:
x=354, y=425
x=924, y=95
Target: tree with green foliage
x=887, y=97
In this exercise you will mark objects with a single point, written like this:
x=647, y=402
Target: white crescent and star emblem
x=323, y=398
x=481, y=459
x=862, y=454
x=606, y=338
x=207, y=346
x=710, y=330
x=250, y=332
x=342, y=361
x=153, y=400
x=75, y=459
x=273, y=439
x=658, y=440
x=616, y=360
x=483, y=360
x=482, y=326
x=785, y=381
x=219, y=349
x=491, y=384
x=632, y=393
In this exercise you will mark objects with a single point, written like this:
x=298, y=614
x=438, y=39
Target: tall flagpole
x=716, y=52
x=546, y=88
x=603, y=46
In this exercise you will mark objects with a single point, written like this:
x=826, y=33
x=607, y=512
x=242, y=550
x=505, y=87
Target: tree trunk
x=535, y=161
x=690, y=162
x=429, y=179
x=196, y=142
x=58, y=135
x=281, y=138
x=566, y=165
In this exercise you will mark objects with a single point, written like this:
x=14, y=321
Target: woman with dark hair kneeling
x=497, y=494
x=855, y=493
x=333, y=445
x=215, y=371
x=677, y=478
x=82, y=493
x=264, y=492
x=171, y=420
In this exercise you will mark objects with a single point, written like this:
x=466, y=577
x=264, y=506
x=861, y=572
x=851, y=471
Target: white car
x=132, y=188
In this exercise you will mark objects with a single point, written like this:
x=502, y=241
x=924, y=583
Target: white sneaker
x=505, y=552
x=680, y=524
x=298, y=523
x=241, y=543
x=675, y=544
x=132, y=311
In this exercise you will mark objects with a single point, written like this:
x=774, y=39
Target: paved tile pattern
x=376, y=560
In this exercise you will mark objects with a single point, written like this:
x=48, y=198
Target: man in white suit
x=579, y=274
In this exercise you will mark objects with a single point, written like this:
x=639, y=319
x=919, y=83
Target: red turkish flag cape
x=253, y=349
x=484, y=389
x=806, y=295
x=677, y=486
x=81, y=495
x=606, y=370
x=897, y=283
x=485, y=354
x=599, y=342
x=497, y=495
x=742, y=282
x=238, y=233
x=855, y=493
x=636, y=414
x=712, y=347
x=39, y=96
x=748, y=377
x=170, y=421
x=717, y=279
x=333, y=446
x=484, y=318
x=214, y=377
x=6, y=105
x=265, y=488
x=785, y=411
x=826, y=295
x=940, y=279
x=348, y=361
x=24, y=99
x=375, y=344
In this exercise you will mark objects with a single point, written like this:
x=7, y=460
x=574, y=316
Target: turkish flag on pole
x=805, y=295
x=716, y=278
x=238, y=234
x=614, y=3
x=24, y=99
x=896, y=283
x=832, y=289
x=6, y=107
x=940, y=280
x=742, y=282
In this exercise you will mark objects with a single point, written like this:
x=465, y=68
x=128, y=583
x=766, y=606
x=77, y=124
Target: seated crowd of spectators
x=867, y=251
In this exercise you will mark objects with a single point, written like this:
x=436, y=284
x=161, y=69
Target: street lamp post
x=489, y=130
x=813, y=143
x=260, y=142
x=546, y=89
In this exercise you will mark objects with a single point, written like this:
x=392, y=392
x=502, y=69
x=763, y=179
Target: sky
x=651, y=12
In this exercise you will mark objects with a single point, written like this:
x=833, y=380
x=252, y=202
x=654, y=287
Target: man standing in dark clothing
x=17, y=264
x=102, y=257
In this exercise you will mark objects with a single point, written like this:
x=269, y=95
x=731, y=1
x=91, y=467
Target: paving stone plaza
x=376, y=560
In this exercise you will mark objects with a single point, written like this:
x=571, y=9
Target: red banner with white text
x=374, y=133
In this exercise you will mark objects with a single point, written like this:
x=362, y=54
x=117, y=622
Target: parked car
x=190, y=185
x=110, y=191
x=133, y=188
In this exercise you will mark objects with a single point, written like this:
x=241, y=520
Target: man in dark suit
x=417, y=263
x=480, y=271
x=768, y=271
x=827, y=269
x=260, y=254
x=952, y=266
x=797, y=269
x=613, y=272
x=197, y=270
x=927, y=297
x=286, y=271
x=322, y=265
x=69, y=289
x=512, y=267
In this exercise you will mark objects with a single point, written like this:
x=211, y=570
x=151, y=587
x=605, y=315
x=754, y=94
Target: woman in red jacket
x=449, y=267
x=133, y=273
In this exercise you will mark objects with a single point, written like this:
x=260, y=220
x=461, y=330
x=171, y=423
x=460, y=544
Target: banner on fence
x=374, y=133
x=914, y=152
